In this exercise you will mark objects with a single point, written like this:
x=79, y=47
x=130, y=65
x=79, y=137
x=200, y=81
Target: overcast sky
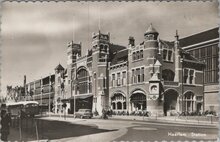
x=35, y=35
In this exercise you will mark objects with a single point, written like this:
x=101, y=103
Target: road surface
x=98, y=130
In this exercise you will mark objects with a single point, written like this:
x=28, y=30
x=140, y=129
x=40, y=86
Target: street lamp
x=182, y=89
x=50, y=87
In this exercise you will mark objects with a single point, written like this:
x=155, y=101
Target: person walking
x=5, y=125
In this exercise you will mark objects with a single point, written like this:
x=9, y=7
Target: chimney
x=131, y=41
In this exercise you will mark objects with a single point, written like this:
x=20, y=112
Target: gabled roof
x=167, y=43
x=186, y=55
x=199, y=37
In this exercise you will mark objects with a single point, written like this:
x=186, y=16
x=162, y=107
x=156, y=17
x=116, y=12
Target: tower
x=151, y=49
x=152, y=58
x=73, y=53
x=100, y=55
x=58, y=79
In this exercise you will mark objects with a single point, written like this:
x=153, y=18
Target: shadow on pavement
x=51, y=129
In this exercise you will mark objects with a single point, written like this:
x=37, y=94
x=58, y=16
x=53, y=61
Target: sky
x=34, y=36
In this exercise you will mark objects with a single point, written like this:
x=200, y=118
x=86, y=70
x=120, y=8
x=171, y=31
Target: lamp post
x=182, y=89
x=49, y=94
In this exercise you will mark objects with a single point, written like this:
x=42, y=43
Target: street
x=99, y=130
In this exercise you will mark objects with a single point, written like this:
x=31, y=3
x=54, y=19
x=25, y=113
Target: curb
x=214, y=124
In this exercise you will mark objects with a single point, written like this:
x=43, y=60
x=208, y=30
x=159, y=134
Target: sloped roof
x=59, y=67
x=199, y=37
x=119, y=57
x=186, y=55
x=114, y=56
x=114, y=48
x=151, y=30
x=183, y=52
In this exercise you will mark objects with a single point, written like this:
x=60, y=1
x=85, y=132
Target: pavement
x=165, y=119
x=168, y=119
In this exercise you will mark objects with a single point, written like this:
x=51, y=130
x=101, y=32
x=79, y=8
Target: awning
x=81, y=96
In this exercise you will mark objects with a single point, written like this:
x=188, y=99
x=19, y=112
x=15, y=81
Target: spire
x=177, y=36
x=99, y=18
x=151, y=33
x=176, y=43
x=151, y=30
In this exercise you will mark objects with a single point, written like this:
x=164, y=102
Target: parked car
x=84, y=113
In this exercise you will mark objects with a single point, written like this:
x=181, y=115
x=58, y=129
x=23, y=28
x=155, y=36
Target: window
x=118, y=79
x=185, y=76
x=134, y=56
x=113, y=76
x=119, y=105
x=197, y=54
x=104, y=82
x=164, y=54
x=138, y=73
x=123, y=77
x=169, y=55
x=191, y=73
x=168, y=75
x=137, y=55
x=133, y=76
x=203, y=51
x=141, y=54
x=188, y=76
x=142, y=74
x=113, y=80
x=210, y=55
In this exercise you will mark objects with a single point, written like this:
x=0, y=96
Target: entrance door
x=139, y=101
x=170, y=100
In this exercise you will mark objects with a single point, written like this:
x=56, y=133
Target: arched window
x=124, y=105
x=113, y=106
x=168, y=75
x=83, y=81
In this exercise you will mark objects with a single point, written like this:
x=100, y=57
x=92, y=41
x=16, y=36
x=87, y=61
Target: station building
x=154, y=75
x=204, y=47
x=41, y=90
